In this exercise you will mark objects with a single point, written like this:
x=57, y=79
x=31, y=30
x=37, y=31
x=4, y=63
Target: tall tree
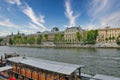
x=118, y=40
x=1, y=39
x=31, y=40
x=78, y=36
x=39, y=38
x=92, y=36
x=46, y=37
x=10, y=41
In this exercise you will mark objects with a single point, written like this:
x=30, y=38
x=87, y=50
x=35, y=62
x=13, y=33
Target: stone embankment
x=71, y=45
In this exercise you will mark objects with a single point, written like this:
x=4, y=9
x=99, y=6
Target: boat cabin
x=26, y=68
x=5, y=72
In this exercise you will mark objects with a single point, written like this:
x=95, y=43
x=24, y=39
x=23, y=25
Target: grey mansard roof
x=49, y=32
x=74, y=28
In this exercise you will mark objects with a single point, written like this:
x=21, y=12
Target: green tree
x=39, y=38
x=91, y=36
x=55, y=37
x=119, y=35
x=106, y=39
x=31, y=40
x=10, y=41
x=110, y=38
x=113, y=37
x=61, y=37
x=84, y=37
x=1, y=39
x=46, y=37
x=17, y=39
x=58, y=37
x=78, y=36
x=118, y=40
x=25, y=40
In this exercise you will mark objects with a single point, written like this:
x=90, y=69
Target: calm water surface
x=97, y=60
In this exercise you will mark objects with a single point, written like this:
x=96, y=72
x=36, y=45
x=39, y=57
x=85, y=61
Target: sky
x=30, y=16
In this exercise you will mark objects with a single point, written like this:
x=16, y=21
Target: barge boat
x=26, y=68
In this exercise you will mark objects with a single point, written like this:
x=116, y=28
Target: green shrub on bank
x=118, y=40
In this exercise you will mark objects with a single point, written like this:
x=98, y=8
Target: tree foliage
x=39, y=38
x=31, y=40
x=25, y=40
x=118, y=40
x=17, y=39
x=46, y=37
x=91, y=36
x=1, y=39
x=10, y=41
x=78, y=36
x=58, y=37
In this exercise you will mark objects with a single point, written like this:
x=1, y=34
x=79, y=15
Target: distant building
x=7, y=38
x=70, y=33
x=54, y=29
x=108, y=34
x=38, y=32
x=50, y=34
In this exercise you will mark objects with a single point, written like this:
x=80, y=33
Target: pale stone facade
x=108, y=34
x=70, y=33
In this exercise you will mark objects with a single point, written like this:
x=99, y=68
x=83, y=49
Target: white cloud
x=112, y=19
x=33, y=26
x=41, y=19
x=91, y=26
x=98, y=7
x=36, y=20
x=26, y=31
x=4, y=33
x=104, y=12
x=69, y=14
x=18, y=2
x=7, y=23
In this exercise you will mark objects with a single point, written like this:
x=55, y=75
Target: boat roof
x=104, y=77
x=5, y=68
x=58, y=67
x=85, y=75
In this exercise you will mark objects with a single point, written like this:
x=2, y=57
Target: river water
x=96, y=60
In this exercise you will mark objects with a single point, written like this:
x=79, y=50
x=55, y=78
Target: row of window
x=108, y=34
x=72, y=35
x=102, y=40
x=69, y=31
x=113, y=30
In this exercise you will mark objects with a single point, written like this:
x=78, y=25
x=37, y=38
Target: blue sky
x=30, y=16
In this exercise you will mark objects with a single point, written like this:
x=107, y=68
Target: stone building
x=70, y=33
x=54, y=29
x=50, y=34
x=108, y=34
x=7, y=38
